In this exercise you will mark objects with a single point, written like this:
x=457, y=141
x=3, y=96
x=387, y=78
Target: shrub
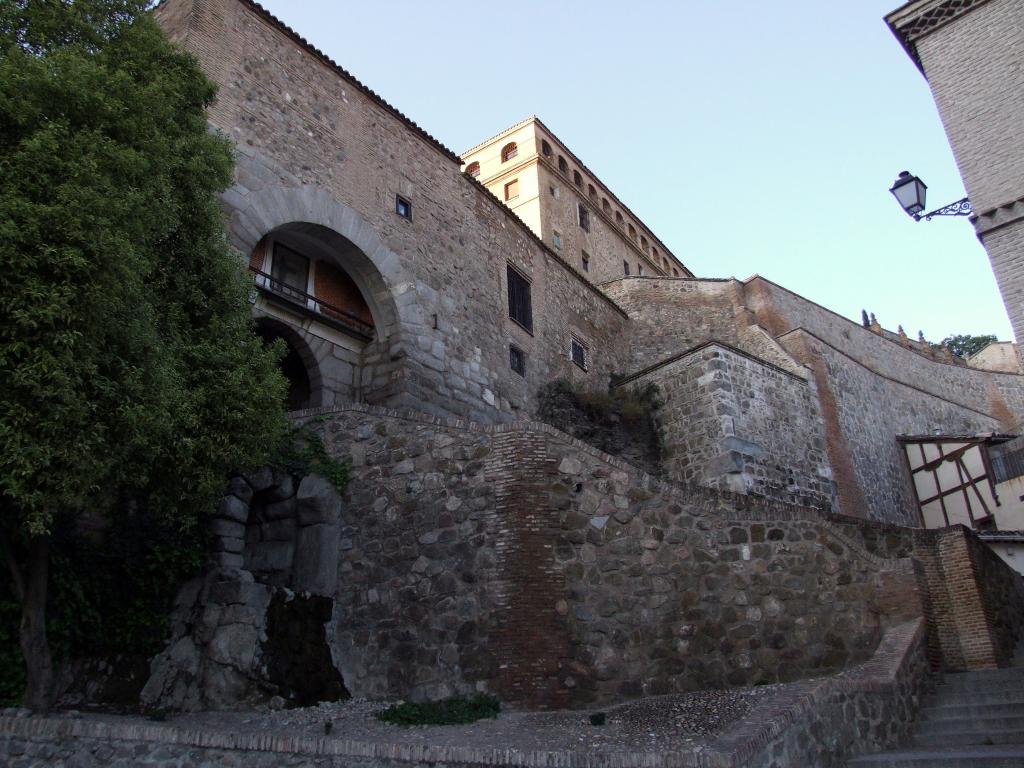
x=456, y=710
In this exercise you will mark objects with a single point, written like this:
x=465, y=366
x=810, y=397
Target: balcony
x=322, y=311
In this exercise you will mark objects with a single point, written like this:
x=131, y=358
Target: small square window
x=403, y=207
x=517, y=359
x=625, y=267
x=584, y=217
x=512, y=189
x=554, y=191
x=578, y=353
x=585, y=261
x=556, y=239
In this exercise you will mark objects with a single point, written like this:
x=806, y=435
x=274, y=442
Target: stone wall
x=516, y=559
x=669, y=317
x=1002, y=597
x=869, y=709
x=997, y=395
x=737, y=423
x=972, y=601
x=816, y=722
x=863, y=413
x=315, y=146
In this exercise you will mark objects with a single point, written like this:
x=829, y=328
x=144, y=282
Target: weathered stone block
x=317, y=501
x=316, y=559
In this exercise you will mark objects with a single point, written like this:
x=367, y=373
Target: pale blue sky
x=751, y=137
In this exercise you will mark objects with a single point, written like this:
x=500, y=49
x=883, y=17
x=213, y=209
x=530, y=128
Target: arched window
x=562, y=165
x=632, y=232
x=606, y=207
x=577, y=179
x=545, y=148
x=654, y=253
x=509, y=151
x=618, y=219
x=473, y=169
x=591, y=192
x=643, y=244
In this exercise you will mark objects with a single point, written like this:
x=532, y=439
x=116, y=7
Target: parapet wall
x=868, y=387
x=519, y=560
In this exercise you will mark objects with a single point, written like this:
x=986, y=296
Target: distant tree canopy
x=964, y=345
x=130, y=378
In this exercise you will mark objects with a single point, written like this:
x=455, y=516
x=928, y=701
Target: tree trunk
x=34, y=645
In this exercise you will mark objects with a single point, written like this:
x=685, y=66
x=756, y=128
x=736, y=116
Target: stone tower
x=970, y=53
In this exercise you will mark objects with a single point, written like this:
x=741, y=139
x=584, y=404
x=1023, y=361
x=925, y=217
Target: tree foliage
x=130, y=378
x=127, y=359
x=965, y=345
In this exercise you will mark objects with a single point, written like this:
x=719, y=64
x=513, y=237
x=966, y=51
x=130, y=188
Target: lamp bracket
x=959, y=208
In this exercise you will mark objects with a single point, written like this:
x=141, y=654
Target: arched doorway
x=320, y=286
x=321, y=270
x=295, y=365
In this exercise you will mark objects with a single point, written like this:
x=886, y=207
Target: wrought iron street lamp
x=910, y=193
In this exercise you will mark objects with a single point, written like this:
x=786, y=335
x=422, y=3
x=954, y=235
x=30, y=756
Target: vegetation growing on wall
x=622, y=422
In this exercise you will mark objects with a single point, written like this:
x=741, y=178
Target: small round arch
x=577, y=179
x=562, y=165
x=473, y=169
x=545, y=148
x=509, y=151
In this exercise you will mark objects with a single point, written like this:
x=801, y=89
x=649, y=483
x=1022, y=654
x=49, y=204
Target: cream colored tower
x=567, y=206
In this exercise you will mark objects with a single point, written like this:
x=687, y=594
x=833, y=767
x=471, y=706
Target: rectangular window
x=625, y=267
x=585, y=260
x=554, y=191
x=584, y=215
x=520, y=307
x=640, y=269
x=403, y=207
x=512, y=189
x=578, y=353
x=517, y=359
x=556, y=239
x=289, y=272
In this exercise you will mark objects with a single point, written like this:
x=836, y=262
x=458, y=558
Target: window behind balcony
x=289, y=272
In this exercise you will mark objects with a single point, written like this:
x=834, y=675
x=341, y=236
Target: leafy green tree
x=129, y=373
x=964, y=345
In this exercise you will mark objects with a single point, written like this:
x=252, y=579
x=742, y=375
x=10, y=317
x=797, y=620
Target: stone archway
x=299, y=365
x=356, y=361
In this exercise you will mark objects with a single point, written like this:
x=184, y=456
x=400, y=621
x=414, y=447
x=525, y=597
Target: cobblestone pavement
x=655, y=724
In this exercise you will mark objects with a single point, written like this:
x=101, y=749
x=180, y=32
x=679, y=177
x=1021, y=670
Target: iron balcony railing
x=296, y=297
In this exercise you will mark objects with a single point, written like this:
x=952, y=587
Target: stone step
x=973, y=724
x=988, y=678
x=958, y=737
x=961, y=698
x=947, y=712
x=1006, y=756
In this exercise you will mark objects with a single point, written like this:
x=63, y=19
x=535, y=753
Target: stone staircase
x=974, y=719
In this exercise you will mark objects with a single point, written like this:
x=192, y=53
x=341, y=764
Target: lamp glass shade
x=910, y=192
